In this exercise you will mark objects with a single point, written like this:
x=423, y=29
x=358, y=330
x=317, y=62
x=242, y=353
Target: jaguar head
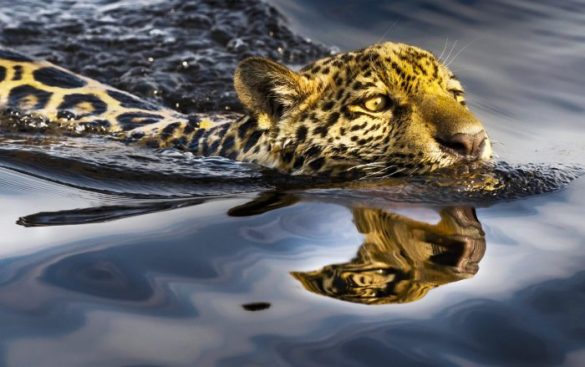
x=384, y=110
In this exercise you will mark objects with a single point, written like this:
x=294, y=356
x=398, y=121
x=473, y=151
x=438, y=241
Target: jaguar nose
x=468, y=145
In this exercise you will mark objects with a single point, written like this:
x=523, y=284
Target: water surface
x=112, y=256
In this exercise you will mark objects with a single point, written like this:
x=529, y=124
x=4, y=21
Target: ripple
x=180, y=54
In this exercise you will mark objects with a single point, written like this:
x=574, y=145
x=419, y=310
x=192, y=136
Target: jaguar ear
x=267, y=87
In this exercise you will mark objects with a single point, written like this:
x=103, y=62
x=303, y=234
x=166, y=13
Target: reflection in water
x=199, y=291
x=401, y=259
x=102, y=214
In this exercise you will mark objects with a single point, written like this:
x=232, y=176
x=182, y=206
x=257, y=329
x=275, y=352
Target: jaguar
x=388, y=109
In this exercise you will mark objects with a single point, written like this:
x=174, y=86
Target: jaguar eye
x=377, y=103
x=456, y=93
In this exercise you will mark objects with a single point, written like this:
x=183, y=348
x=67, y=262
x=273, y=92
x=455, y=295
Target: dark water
x=114, y=256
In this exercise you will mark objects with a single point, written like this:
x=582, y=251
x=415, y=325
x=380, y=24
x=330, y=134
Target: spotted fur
x=314, y=121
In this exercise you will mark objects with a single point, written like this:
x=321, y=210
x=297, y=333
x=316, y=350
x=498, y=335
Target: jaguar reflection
x=401, y=259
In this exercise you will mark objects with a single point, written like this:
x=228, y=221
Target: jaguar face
x=387, y=109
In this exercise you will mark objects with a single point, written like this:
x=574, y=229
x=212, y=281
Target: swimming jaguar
x=387, y=109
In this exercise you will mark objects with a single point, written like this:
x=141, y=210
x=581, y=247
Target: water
x=113, y=256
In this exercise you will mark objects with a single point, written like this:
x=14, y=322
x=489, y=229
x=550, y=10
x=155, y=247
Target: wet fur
x=310, y=122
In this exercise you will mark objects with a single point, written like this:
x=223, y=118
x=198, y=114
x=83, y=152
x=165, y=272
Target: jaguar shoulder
x=387, y=109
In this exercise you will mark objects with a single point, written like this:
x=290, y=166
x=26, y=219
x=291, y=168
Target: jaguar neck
x=240, y=139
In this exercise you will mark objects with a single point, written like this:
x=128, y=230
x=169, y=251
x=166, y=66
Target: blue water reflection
x=174, y=292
